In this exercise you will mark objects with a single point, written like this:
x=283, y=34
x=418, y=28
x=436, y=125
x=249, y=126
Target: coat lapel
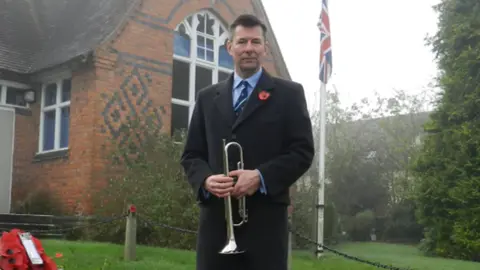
x=265, y=83
x=224, y=100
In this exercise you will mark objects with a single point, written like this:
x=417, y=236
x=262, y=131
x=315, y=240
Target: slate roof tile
x=37, y=34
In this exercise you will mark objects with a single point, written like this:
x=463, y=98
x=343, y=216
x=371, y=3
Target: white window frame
x=193, y=61
x=57, y=107
x=3, y=93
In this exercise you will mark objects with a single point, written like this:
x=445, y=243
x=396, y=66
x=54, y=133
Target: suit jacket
x=274, y=130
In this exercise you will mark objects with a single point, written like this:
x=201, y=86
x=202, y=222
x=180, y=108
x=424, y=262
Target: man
x=268, y=117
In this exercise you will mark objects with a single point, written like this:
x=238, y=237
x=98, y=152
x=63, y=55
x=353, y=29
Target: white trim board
x=12, y=110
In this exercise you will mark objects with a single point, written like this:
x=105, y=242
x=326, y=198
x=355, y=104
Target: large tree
x=449, y=165
x=367, y=158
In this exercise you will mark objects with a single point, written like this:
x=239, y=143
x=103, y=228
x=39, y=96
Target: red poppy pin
x=263, y=95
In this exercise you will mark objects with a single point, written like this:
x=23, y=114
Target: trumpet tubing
x=231, y=246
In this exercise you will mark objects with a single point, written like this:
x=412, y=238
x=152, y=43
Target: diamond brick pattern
x=130, y=102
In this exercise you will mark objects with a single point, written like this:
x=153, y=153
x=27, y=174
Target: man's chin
x=249, y=68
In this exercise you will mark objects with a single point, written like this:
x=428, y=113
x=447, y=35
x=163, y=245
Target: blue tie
x=242, y=98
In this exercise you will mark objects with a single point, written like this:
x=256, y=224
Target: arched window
x=200, y=58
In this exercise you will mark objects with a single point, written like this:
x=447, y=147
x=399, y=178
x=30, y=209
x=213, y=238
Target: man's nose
x=249, y=46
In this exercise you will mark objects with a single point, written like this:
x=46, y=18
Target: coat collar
x=224, y=98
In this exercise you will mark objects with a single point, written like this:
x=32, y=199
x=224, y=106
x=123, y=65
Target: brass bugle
x=231, y=246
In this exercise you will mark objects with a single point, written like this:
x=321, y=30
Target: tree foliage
x=448, y=167
x=145, y=170
x=369, y=146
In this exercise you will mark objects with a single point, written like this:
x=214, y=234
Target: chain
x=350, y=257
x=158, y=224
x=108, y=220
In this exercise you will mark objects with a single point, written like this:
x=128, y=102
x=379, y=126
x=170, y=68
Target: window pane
x=222, y=76
x=179, y=118
x=210, y=56
x=15, y=96
x=181, y=42
x=64, y=127
x=209, y=43
x=200, y=53
x=203, y=78
x=201, y=23
x=66, y=89
x=48, y=130
x=210, y=22
x=180, y=85
x=50, y=94
x=224, y=58
x=200, y=41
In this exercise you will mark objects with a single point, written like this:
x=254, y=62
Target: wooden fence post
x=131, y=235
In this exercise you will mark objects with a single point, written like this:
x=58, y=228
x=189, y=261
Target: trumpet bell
x=231, y=248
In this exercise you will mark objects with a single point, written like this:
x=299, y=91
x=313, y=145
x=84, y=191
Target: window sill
x=26, y=111
x=51, y=155
x=23, y=111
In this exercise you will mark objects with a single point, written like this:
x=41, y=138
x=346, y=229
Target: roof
x=37, y=34
x=371, y=133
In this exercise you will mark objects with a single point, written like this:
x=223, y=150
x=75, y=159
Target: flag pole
x=321, y=172
x=325, y=73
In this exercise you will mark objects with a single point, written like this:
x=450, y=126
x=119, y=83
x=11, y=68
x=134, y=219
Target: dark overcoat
x=275, y=132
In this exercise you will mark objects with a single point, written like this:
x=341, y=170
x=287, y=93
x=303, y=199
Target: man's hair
x=247, y=20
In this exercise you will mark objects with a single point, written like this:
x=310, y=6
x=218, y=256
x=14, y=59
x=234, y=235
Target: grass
x=88, y=256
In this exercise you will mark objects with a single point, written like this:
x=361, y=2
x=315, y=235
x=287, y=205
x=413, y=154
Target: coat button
x=234, y=136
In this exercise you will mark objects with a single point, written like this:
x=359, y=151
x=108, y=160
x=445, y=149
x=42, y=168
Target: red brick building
x=68, y=67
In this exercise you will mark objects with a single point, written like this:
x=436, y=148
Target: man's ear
x=228, y=45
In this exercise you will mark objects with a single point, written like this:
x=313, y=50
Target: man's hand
x=219, y=185
x=247, y=184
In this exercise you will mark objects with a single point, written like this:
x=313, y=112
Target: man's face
x=247, y=48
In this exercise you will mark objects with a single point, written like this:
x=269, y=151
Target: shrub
x=146, y=172
x=401, y=225
x=360, y=226
x=304, y=218
x=40, y=201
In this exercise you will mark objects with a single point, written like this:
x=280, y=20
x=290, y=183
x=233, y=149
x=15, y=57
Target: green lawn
x=90, y=256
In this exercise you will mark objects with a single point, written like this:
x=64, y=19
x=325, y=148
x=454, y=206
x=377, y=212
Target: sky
x=377, y=45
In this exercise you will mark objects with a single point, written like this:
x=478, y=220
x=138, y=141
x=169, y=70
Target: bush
x=401, y=225
x=360, y=226
x=39, y=201
x=147, y=173
x=305, y=218
x=331, y=228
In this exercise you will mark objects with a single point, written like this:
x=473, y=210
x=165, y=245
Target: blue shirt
x=237, y=90
x=252, y=82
